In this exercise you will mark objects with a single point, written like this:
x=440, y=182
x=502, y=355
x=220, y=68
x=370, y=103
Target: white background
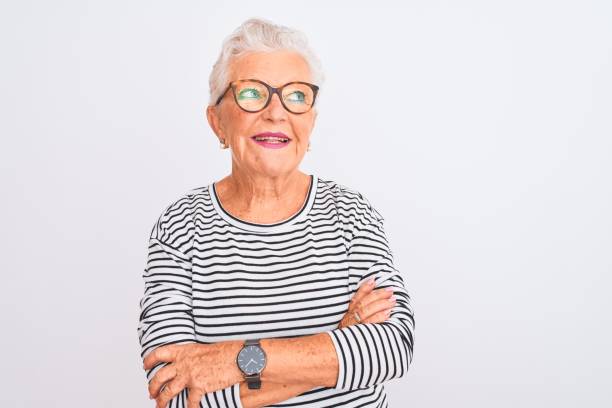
x=481, y=130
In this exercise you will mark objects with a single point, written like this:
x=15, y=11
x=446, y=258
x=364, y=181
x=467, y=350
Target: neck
x=263, y=198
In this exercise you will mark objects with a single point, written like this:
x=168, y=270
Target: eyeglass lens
x=252, y=96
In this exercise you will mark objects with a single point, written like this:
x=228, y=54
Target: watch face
x=251, y=360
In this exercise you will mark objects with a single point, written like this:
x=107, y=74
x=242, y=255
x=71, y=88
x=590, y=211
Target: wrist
x=233, y=348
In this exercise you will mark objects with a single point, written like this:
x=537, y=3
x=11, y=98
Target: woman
x=257, y=286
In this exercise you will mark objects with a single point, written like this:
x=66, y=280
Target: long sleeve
x=372, y=353
x=166, y=314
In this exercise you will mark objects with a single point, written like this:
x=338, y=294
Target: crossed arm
x=294, y=365
x=351, y=357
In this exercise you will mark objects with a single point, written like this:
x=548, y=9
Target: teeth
x=271, y=138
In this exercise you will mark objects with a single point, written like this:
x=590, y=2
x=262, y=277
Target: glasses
x=253, y=95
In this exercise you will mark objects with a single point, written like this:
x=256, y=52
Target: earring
x=222, y=144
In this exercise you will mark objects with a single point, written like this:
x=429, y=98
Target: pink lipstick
x=271, y=140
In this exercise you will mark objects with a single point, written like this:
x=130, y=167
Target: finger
x=194, y=397
x=169, y=391
x=377, y=306
x=382, y=293
x=361, y=306
x=363, y=290
x=161, y=377
x=353, y=318
x=380, y=316
x=163, y=353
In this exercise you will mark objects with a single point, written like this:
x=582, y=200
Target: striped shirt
x=211, y=277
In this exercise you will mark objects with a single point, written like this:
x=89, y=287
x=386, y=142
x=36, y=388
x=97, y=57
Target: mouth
x=271, y=137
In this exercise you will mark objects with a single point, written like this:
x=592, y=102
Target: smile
x=271, y=140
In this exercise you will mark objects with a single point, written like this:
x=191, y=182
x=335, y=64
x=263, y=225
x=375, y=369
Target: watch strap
x=253, y=381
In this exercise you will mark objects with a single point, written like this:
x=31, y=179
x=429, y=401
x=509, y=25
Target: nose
x=275, y=110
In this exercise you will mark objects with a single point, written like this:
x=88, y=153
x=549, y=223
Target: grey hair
x=260, y=35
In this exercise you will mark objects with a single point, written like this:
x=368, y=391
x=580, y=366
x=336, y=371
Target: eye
x=249, y=93
x=297, y=96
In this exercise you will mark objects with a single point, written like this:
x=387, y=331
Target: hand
x=372, y=306
x=202, y=368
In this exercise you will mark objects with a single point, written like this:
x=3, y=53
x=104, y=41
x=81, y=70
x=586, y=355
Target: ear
x=212, y=115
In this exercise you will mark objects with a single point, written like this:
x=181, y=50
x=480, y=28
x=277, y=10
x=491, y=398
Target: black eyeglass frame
x=271, y=91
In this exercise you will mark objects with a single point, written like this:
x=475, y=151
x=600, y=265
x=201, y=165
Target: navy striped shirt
x=212, y=277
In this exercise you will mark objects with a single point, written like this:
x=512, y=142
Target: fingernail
x=392, y=298
x=371, y=281
x=389, y=289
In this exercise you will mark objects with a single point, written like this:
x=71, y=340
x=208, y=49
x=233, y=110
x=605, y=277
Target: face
x=237, y=127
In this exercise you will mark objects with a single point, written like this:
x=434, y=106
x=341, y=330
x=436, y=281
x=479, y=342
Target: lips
x=271, y=136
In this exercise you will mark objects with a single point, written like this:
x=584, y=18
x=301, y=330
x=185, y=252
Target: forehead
x=275, y=68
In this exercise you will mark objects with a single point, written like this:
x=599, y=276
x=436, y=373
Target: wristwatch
x=251, y=361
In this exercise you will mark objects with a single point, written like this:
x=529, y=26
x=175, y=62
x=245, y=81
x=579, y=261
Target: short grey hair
x=260, y=35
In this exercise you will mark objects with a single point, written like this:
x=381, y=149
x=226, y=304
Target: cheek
x=302, y=129
x=238, y=125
